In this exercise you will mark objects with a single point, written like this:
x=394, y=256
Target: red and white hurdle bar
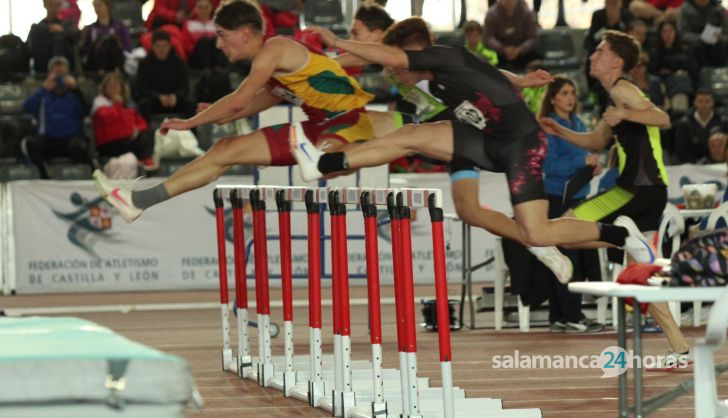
x=347, y=397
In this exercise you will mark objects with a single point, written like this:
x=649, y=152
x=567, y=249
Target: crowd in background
x=142, y=74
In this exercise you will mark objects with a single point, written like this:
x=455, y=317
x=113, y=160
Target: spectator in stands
x=59, y=109
x=51, y=37
x=473, y=32
x=104, y=42
x=563, y=161
x=118, y=126
x=694, y=129
x=612, y=16
x=716, y=150
x=638, y=29
x=656, y=10
x=70, y=12
x=199, y=37
x=704, y=26
x=674, y=65
x=650, y=84
x=164, y=12
x=162, y=84
x=512, y=31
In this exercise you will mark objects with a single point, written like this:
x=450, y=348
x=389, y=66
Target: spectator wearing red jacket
x=199, y=37
x=118, y=126
x=174, y=12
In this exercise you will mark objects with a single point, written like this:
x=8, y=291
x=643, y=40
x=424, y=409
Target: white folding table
x=645, y=294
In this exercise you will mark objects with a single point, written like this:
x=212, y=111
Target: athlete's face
x=236, y=44
x=603, y=60
x=360, y=33
x=565, y=99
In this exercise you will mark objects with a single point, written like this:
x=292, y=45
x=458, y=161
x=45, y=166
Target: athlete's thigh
x=385, y=123
x=251, y=148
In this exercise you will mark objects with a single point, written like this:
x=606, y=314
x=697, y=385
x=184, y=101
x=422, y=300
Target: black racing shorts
x=521, y=158
x=644, y=204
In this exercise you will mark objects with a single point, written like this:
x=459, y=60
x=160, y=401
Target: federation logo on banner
x=89, y=222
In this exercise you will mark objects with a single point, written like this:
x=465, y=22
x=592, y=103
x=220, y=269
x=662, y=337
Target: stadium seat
x=129, y=12
x=557, y=47
x=68, y=171
x=12, y=96
x=716, y=79
x=12, y=172
x=326, y=13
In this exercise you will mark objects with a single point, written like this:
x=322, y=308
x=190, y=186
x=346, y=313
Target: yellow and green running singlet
x=322, y=88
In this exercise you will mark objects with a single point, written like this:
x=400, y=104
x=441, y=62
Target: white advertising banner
x=67, y=239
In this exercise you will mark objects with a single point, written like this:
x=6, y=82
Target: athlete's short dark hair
x=625, y=46
x=410, y=31
x=235, y=14
x=374, y=17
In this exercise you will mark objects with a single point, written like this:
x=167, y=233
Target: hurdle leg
x=378, y=405
x=347, y=398
x=397, y=254
x=284, y=228
x=443, y=313
x=265, y=360
x=315, y=383
x=413, y=397
x=244, y=359
x=227, y=352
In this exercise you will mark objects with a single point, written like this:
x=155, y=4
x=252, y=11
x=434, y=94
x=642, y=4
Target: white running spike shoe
x=306, y=154
x=636, y=245
x=558, y=263
x=118, y=196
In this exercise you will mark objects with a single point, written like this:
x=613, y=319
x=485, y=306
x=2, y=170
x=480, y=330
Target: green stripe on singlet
x=603, y=205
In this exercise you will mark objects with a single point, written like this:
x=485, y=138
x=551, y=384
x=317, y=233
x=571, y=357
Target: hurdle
x=349, y=395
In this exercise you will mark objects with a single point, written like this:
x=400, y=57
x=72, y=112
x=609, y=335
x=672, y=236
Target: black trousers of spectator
x=519, y=64
x=564, y=305
x=711, y=55
x=150, y=106
x=41, y=148
x=142, y=147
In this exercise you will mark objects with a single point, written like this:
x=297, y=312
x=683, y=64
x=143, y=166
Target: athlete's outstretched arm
x=262, y=69
x=350, y=60
x=595, y=140
x=263, y=100
x=536, y=78
x=375, y=52
x=631, y=105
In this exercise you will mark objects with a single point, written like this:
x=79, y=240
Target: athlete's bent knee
x=534, y=235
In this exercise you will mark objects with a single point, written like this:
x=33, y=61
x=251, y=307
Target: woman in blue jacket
x=563, y=161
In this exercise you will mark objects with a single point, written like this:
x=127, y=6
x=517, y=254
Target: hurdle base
x=265, y=374
x=244, y=366
x=315, y=393
x=379, y=409
x=289, y=382
x=227, y=360
x=347, y=401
